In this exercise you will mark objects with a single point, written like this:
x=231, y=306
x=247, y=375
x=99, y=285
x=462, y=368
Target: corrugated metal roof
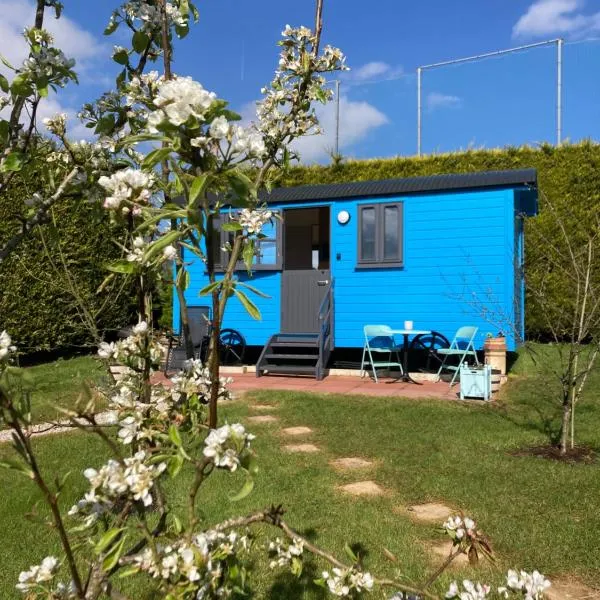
x=407, y=185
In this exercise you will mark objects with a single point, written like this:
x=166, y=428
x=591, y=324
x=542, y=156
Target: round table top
x=410, y=331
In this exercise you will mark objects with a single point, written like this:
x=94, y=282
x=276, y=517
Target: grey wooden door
x=301, y=296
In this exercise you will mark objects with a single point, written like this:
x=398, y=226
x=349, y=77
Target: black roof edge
x=407, y=185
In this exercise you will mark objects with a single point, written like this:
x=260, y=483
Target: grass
x=538, y=513
x=59, y=383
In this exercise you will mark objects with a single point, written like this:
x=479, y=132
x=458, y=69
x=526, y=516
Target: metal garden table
x=406, y=333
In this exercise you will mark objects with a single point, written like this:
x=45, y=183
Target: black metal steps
x=291, y=354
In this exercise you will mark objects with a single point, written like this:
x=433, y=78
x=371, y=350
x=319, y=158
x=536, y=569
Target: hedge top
x=405, y=185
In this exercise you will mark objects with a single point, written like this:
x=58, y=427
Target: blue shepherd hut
x=441, y=251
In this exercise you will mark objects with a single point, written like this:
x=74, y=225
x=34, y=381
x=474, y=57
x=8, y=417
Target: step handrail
x=325, y=340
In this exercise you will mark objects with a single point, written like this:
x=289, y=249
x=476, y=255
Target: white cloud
x=72, y=39
x=357, y=120
x=556, y=17
x=436, y=100
x=373, y=71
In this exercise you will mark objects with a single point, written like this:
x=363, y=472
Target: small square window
x=380, y=235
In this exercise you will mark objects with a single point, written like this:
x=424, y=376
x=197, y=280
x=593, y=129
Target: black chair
x=199, y=323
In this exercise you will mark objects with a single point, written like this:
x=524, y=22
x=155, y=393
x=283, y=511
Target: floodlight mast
x=559, y=43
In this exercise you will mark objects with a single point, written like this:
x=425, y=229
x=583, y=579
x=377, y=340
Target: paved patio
x=336, y=384
x=339, y=384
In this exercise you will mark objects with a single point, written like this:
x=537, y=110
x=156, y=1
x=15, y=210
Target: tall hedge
x=568, y=176
x=36, y=306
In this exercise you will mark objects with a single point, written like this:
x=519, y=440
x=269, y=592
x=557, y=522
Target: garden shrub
x=35, y=304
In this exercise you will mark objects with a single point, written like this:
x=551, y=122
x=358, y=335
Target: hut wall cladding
x=458, y=250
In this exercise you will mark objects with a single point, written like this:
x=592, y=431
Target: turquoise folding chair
x=463, y=345
x=379, y=340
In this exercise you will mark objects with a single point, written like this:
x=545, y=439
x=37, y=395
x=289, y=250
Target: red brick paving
x=337, y=384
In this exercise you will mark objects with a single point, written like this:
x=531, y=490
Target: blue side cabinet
x=476, y=382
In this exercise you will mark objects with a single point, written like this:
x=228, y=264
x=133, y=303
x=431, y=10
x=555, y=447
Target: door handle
x=323, y=282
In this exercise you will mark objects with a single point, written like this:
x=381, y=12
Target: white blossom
x=126, y=186
x=469, y=591
x=529, y=586
x=56, y=124
x=458, y=527
x=343, y=582
x=224, y=445
x=6, y=346
x=37, y=574
x=252, y=221
x=177, y=100
x=285, y=553
x=170, y=252
x=220, y=128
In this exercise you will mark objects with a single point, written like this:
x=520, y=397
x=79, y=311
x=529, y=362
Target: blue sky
x=509, y=100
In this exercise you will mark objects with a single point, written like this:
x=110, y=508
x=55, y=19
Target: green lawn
x=538, y=513
x=59, y=383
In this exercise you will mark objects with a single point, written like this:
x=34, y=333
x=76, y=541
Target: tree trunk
x=566, y=418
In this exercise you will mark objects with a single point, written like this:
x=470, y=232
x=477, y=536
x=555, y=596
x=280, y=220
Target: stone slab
x=363, y=488
x=262, y=419
x=430, y=512
x=303, y=448
x=350, y=462
x=297, y=430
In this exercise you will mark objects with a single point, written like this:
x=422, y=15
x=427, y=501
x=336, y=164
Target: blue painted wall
x=461, y=257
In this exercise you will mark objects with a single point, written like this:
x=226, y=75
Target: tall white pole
x=559, y=51
x=419, y=111
x=337, y=117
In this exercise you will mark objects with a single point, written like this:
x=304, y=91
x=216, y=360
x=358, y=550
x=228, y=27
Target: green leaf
x=121, y=77
x=154, y=157
x=162, y=243
x=174, y=435
x=231, y=226
x=351, y=555
x=42, y=86
x=250, y=307
x=13, y=162
x=21, y=85
x=253, y=289
x=121, y=57
x=105, y=125
x=245, y=490
x=210, y=288
x=111, y=28
x=107, y=539
x=3, y=83
x=128, y=572
x=147, y=137
x=174, y=465
x=122, y=266
x=197, y=187
x=248, y=254
x=15, y=465
x=113, y=556
x=6, y=63
x=139, y=41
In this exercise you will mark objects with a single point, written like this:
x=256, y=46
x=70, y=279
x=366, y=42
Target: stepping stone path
x=263, y=407
x=362, y=488
x=441, y=552
x=430, y=512
x=570, y=590
x=262, y=419
x=304, y=448
x=297, y=430
x=349, y=463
